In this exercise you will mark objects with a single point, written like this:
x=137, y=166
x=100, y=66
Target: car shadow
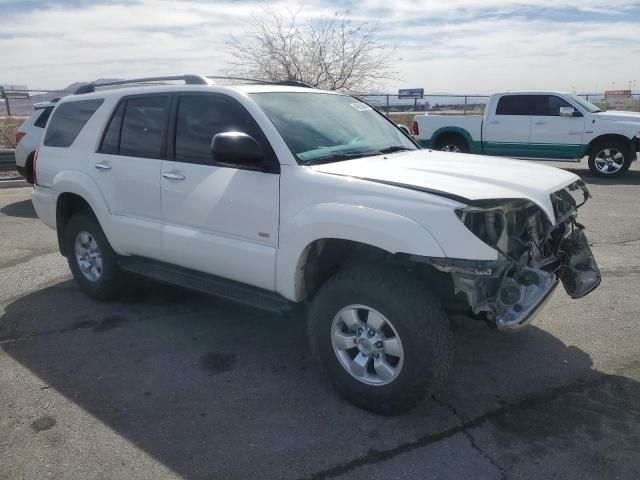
x=217, y=390
x=23, y=209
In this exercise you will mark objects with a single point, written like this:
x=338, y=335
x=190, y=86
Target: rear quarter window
x=43, y=116
x=68, y=120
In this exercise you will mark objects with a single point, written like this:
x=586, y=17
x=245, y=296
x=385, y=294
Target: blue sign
x=411, y=93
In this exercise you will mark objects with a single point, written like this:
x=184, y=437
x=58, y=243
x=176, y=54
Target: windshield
x=320, y=127
x=588, y=106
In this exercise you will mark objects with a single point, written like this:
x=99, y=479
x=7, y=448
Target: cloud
x=446, y=45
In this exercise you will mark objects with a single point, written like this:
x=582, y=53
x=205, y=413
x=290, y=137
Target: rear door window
x=43, y=116
x=111, y=139
x=68, y=120
x=143, y=126
x=516, y=105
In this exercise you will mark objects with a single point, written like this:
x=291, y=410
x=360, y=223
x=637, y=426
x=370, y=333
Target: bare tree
x=332, y=54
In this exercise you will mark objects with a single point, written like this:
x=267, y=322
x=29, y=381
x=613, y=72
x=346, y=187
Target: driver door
x=218, y=219
x=553, y=135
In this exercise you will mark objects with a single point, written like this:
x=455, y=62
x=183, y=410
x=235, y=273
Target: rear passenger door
x=507, y=131
x=219, y=218
x=552, y=135
x=127, y=170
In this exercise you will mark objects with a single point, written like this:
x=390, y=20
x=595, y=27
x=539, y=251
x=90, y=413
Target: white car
x=29, y=136
x=540, y=126
x=279, y=196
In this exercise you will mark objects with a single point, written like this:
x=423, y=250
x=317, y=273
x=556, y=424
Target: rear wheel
x=452, y=143
x=381, y=337
x=28, y=169
x=92, y=261
x=610, y=159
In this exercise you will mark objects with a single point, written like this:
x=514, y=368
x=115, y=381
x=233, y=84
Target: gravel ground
x=169, y=384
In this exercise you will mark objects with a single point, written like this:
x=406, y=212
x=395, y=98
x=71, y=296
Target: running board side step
x=206, y=283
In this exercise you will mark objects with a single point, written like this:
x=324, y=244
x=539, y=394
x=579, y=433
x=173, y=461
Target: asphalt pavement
x=170, y=384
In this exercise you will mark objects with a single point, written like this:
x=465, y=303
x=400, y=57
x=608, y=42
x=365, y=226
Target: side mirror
x=236, y=147
x=567, y=112
x=404, y=128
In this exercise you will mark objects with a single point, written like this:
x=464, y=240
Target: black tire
x=109, y=285
x=621, y=147
x=28, y=169
x=452, y=143
x=418, y=319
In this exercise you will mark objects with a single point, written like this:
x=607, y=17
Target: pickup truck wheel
x=452, y=143
x=610, y=159
x=92, y=261
x=382, y=338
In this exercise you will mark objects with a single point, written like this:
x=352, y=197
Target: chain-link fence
x=471, y=104
x=19, y=101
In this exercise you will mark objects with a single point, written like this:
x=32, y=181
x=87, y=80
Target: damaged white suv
x=277, y=195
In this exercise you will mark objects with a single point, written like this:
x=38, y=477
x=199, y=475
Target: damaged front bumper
x=511, y=294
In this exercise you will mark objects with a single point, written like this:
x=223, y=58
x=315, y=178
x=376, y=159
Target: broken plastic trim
x=509, y=294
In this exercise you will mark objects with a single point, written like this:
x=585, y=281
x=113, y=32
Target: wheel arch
x=607, y=137
x=454, y=131
x=362, y=231
x=78, y=192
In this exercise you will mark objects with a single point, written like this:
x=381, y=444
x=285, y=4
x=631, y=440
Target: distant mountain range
x=21, y=107
x=68, y=90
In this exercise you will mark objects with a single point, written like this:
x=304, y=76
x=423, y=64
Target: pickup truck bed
x=436, y=127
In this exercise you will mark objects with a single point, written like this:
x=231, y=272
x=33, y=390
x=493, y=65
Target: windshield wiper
x=394, y=148
x=338, y=157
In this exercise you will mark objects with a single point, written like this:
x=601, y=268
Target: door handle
x=539, y=123
x=494, y=122
x=103, y=166
x=174, y=176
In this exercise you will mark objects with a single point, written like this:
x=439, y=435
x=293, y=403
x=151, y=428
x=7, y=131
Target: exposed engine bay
x=534, y=254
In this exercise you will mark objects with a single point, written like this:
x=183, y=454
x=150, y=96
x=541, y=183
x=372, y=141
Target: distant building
x=620, y=99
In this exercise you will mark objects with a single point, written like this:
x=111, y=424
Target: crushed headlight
x=488, y=224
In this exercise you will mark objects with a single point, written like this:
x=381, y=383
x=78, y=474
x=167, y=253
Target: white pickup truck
x=538, y=125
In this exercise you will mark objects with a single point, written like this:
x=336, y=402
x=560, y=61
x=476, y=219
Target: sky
x=452, y=46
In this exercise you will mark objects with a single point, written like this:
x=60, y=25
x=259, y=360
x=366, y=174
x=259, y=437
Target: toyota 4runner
x=277, y=195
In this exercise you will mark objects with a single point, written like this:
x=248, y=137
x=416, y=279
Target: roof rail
x=243, y=79
x=188, y=80
x=287, y=83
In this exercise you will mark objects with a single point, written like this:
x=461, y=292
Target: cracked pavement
x=171, y=384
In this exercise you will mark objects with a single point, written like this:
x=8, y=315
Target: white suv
x=29, y=136
x=279, y=195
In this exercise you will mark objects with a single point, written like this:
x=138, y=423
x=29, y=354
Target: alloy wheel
x=450, y=147
x=367, y=345
x=88, y=256
x=609, y=160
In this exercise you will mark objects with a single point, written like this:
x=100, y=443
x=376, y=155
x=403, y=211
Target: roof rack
x=188, y=80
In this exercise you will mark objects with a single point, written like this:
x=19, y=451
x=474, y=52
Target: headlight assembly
x=488, y=224
x=509, y=226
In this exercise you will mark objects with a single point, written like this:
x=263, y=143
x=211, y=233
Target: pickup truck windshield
x=324, y=128
x=588, y=106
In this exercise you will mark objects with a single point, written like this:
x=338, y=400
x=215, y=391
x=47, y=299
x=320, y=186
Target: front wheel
x=610, y=159
x=381, y=336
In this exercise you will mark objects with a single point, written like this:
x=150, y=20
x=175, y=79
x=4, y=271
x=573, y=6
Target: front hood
x=462, y=177
x=620, y=115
